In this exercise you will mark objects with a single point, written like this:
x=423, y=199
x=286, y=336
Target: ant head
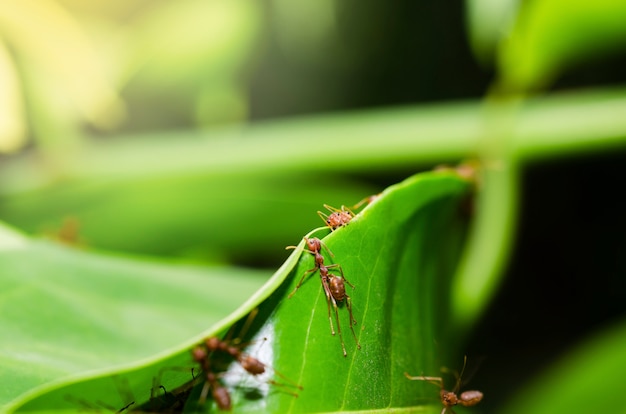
x=212, y=343
x=448, y=398
x=314, y=244
x=199, y=354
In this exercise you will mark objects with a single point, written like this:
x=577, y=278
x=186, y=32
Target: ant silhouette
x=334, y=286
x=449, y=398
x=162, y=400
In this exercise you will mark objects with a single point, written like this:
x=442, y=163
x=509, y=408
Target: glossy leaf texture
x=400, y=255
x=67, y=313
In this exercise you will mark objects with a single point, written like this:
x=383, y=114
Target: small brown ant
x=249, y=363
x=449, y=398
x=338, y=217
x=232, y=349
x=334, y=287
x=220, y=394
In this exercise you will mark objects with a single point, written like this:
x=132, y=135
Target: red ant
x=340, y=217
x=212, y=345
x=252, y=365
x=220, y=394
x=449, y=398
x=333, y=285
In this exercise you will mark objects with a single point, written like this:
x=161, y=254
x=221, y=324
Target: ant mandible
x=449, y=398
x=334, y=287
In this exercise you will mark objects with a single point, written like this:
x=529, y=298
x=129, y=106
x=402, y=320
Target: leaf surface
x=400, y=253
x=66, y=313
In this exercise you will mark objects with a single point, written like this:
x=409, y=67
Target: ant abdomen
x=252, y=365
x=337, y=288
x=469, y=398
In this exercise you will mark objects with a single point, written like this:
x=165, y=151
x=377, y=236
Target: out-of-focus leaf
x=69, y=67
x=550, y=36
x=202, y=216
x=488, y=22
x=488, y=246
x=191, y=41
x=198, y=49
x=12, y=123
x=65, y=313
x=340, y=142
x=588, y=380
x=212, y=186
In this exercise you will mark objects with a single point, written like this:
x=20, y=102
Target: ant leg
x=352, y=320
x=125, y=407
x=304, y=250
x=329, y=297
x=366, y=200
x=204, y=393
x=338, y=266
x=347, y=210
x=433, y=380
x=456, y=374
x=326, y=248
x=290, y=383
x=343, y=346
x=301, y=281
x=249, y=320
x=336, y=210
x=333, y=209
x=324, y=218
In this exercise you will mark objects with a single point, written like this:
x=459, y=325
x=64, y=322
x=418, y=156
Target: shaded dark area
x=567, y=277
x=383, y=54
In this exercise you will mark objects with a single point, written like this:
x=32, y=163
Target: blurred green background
x=211, y=131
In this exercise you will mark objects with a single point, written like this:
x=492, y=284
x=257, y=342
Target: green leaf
x=488, y=21
x=400, y=253
x=198, y=214
x=65, y=313
x=587, y=380
x=551, y=36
